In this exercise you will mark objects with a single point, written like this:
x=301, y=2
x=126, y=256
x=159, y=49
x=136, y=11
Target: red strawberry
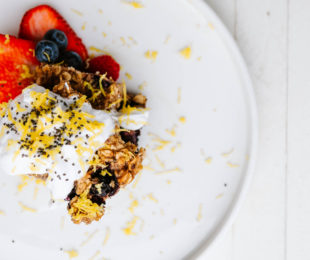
x=105, y=64
x=16, y=62
x=38, y=20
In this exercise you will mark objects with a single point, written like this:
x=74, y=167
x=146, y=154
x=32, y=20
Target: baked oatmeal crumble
x=119, y=160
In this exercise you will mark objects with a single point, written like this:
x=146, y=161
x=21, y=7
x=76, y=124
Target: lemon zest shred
x=7, y=39
x=26, y=208
x=72, y=253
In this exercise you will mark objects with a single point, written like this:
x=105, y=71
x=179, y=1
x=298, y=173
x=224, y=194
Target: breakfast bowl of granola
x=119, y=132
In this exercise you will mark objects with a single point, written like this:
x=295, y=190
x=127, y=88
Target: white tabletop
x=274, y=38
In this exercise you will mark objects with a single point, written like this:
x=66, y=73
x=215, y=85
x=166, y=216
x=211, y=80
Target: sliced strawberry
x=105, y=64
x=38, y=20
x=17, y=60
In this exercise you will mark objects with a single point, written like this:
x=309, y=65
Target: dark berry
x=58, y=37
x=97, y=199
x=107, y=185
x=71, y=195
x=130, y=136
x=47, y=51
x=72, y=59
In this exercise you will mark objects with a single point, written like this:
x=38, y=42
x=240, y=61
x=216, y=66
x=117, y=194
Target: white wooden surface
x=274, y=38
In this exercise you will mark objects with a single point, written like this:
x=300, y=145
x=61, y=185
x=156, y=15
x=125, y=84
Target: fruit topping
x=47, y=51
x=17, y=61
x=72, y=59
x=105, y=64
x=40, y=19
x=58, y=37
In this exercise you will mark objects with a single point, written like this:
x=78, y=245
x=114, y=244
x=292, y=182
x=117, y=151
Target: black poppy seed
x=67, y=179
x=79, y=171
x=75, y=147
x=61, y=157
x=66, y=160
x=73, y=164
x=64, y=174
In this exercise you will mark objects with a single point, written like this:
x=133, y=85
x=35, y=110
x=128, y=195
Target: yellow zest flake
x=35, y=193
x=148, y=167
x=151, y=55
x=133, y=40
x=168, y=181
x=95, y=255
x=199, y=58
x=3, y=82
x=123, y=40
x=142, y=86
x=208, y=160
x=129, y=76
x=89, y=237
x=133, y=205
x=167, y=39
x=24, y=182
x=83, y=26
x=2, y=212
x=171, y=131
x=95, y=49
x=226, y=154
x=182, y=119
x=7, y=39
x=130, y=226
x=19, y=108
x=32, y=52
x=134, y=4
x=178, y=145
x=162, y=165
x=152, y=198
x=107, y=236
x=1, y=50
x=72, y=253
x=186, y=52
x=104, y=34
x=175, y=221
x=105, y=172
x=219, y=196
x=76, y=12
x=26, y=208
x=40, y=181
x=179, y=96
x=176, y=169
x=100, y=11
x=199, y=215
x=137, y=179
x=232, y=165
x=211, y=26
x=47, y=56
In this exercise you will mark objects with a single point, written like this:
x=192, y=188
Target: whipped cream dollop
x=42, y=132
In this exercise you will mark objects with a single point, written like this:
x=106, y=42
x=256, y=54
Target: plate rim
x=209, y=242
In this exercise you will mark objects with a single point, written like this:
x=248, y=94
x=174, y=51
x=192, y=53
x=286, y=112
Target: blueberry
x=58, y=37
x=72, y=59
x=47, y=51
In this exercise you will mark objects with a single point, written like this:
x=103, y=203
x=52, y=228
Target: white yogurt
x=70, y=162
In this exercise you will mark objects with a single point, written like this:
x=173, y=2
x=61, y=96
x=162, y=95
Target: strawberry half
x=17, y=60
x=105, y=64
x=38, y=20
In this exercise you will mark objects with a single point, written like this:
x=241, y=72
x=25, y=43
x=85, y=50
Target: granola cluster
x=101, y=92
x=119, y=163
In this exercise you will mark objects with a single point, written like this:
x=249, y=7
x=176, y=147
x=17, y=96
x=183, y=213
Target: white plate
x=180, y=213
